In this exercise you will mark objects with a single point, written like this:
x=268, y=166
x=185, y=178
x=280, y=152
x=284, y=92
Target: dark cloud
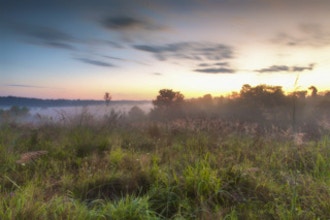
x=53, y=37
x=132, y=27
x=46, y=36
x=95, y=62
x=189, y=51
x=157, y=74
x=60, y=45
x=49, y=34
x=274, y=68
x=222, y=64
x=121, y=23
x=284, y=68
x=124, y=60
x=114, y=58
x=215, y=70
x=302, y=68
x=196, y=52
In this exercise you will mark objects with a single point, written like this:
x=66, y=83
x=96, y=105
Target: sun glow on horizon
x=214, y=48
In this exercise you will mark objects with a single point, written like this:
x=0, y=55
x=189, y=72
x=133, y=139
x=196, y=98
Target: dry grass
x=30, y=156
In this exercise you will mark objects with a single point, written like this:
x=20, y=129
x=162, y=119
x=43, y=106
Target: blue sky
x=132, y=49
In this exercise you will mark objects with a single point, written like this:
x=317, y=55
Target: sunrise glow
x=132, y=50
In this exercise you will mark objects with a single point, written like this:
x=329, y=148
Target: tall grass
x=150, y=170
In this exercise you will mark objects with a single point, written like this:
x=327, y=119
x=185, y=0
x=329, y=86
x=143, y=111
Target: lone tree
x=107, y=98
x=168, y=103
x=167, y=98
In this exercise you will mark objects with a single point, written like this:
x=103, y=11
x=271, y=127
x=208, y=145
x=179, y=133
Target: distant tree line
x=262, y=104
x=35, y=102
x=268, y=106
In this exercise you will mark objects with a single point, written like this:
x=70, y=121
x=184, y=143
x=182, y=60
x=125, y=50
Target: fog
x=265, y=107
x=96, y=110
x=58, y=114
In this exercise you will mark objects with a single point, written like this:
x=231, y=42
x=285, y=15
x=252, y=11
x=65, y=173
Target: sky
x=80, y=49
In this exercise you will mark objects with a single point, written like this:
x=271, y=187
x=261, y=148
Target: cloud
x=46, y=36
x=196, y=52
x=274, y=68
x=311, y=29
x=56, y=38
x=102, y=42
x=25, y=86
x=131, y=28
x=302, y=68
x=124, y=23
x=60, y=45
x=95, y=62
x=222, y=64
x=203, y=64
x=113, y=44
x=157, y=74
x=114, y=58
x=123, y=60
x=214, y=64
x=284, y=68
x=49, y=34
x=215, y=70
x=189, y=51
x=314, y=35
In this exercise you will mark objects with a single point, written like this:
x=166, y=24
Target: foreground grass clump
x=171, y=170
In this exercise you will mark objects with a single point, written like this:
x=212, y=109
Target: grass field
x=180, y=169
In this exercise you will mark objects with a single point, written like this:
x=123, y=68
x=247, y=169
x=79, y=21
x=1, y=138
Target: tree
x=207, y=100
x=168, y=98
x=136, y=113
x=300, y=94
x=263, y=95
x=168, y=104
x=107, y=98
x=314, y=91
x=260, y=103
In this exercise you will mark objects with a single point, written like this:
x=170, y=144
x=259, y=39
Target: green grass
x=150, y=170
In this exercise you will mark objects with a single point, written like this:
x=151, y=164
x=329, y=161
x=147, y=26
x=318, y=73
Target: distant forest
x=34, y=102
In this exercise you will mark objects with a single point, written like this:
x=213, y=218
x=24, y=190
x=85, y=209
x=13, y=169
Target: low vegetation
x=191, y=166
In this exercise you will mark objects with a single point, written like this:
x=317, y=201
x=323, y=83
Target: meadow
x=125, y=167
